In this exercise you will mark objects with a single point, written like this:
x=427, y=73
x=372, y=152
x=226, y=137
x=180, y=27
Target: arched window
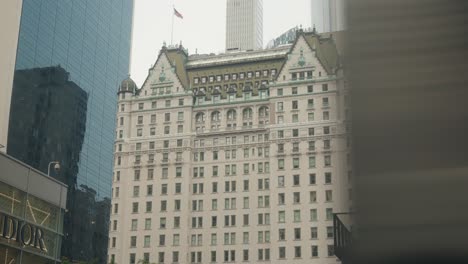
x=232, y=115
x=215, y=116
x=200, y=117
x=263, y=112
x=247, y=113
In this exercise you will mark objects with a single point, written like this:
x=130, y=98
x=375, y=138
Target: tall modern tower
x=72, y=55
x=328, y=15
x=244, y=24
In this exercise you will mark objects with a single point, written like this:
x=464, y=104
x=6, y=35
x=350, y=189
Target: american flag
x=179, y=15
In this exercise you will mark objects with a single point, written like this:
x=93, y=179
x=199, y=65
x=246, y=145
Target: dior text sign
x=25, y=234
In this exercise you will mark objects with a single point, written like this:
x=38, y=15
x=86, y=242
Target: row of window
x=234, y=76
x=230, y=255
x=295, y=104
x=229, y=203
x=197, y=222
x=231, y=169
x=295, y=90
x=230, y=186
x=229, y=238
x=154, y=104
x=231, y=114
x=199, y=172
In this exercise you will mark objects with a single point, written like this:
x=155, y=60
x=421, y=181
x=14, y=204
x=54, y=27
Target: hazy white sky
x=202, y=28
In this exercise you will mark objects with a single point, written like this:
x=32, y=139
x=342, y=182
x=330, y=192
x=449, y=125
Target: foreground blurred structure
x=408, y=67
x=237, y=157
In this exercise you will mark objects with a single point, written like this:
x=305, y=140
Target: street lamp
x=56, y=167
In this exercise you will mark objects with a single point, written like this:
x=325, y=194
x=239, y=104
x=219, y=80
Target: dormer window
x=201, y=100
x=301, y=75
x=273, y=72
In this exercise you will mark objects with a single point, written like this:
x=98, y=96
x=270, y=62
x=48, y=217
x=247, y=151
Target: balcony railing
x=342, y=237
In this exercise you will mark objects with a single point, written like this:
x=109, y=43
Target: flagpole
x=172, y=28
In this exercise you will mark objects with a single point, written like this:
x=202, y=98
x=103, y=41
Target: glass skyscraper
x=72, y=55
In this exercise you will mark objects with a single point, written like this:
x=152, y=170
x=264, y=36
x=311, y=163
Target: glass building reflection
x=71, y=57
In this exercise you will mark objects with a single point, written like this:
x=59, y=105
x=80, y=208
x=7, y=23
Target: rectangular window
x=147, y=241
x=329, y=231
x=295, y=132
x=310, y=103
x=326, y=115
x=245, y=238
x=297, y=215
x=297, y=252
x=324, y=87
x=328, y=195
x=295, y=118
x=280, y=164
x=314, y=250
x=297, y=234
x=295, y=163
x=330, y=250
x=282, y=252
x=295, y=105
x=282, y=234
x=281, y=216
x=329, y=213
x=313, y=233
x=312, y=179
x=313, y=214
x=134, y=225
x=312, y=162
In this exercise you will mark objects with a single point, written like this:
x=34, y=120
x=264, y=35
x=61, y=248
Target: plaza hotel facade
x=240, y=157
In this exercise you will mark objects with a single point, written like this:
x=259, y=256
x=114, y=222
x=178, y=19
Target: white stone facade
x=244, y=24
x=248, y=178
x=9, y=26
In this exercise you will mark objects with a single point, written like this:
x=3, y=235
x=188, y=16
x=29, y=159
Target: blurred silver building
x=328, y=15
x=244, y=24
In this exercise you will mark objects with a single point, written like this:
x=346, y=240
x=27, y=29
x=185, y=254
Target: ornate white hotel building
x=232, y=158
